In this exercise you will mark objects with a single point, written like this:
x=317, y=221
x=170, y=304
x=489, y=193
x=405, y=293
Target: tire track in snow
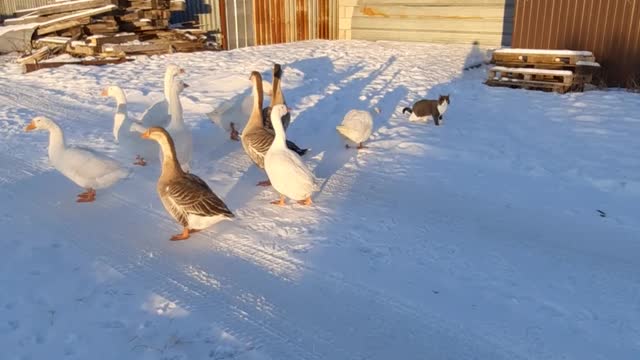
x=167, y=279
x=240, y=245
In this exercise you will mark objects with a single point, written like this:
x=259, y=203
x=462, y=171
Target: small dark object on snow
x=602, y=213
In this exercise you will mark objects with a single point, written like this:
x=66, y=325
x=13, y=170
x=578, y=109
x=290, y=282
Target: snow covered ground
x=479, y=239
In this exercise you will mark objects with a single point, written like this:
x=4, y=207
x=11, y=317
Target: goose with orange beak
x=185, y=196
x=83, y=166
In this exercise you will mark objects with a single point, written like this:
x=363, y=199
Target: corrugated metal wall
x=239, y=19
x=278, y=21
x=9, y=7
x=608, y=28
x=489, y=22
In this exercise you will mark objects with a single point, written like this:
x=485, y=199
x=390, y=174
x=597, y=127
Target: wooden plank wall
x=489, y=22
x=608, y=28
x=279, y=21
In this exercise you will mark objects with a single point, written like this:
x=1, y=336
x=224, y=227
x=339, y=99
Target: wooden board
x=27, y=68
x=118, y=39
x=34, y=57
x=529, y=84
x=71, y=20
x=65, y=7
x=524, y=58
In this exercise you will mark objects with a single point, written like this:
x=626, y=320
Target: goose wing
x=192, y=196
x=256, y=143
x=156, y=115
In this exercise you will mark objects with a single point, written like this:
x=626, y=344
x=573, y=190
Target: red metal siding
x=608, y=28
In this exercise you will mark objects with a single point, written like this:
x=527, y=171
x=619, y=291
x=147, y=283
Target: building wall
x=608, y=28
x=488, y=22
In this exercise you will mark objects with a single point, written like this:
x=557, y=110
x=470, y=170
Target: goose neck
x=258, y=97
x=119, y=118
x=170, y=165
x=56, y=140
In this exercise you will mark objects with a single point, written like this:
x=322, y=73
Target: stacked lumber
x=556, y=70
x=104, y=29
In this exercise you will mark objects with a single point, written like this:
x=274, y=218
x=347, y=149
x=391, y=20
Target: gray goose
x=256, y=139
x=277, y=98
x=184, y=195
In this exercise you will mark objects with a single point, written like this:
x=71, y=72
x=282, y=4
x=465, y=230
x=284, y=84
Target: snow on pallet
x=556, y=80
x=559, y=58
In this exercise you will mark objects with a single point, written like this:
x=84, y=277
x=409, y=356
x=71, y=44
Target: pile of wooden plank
x=107, y=29
x=556, y=70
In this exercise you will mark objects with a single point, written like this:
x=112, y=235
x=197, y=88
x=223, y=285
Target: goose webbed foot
x=360, y=147
x=295, y=148
x=235, y=135
x=87, y=196
x=306, y=201
x=279, y=202
x=183, y=236
x=140, y=161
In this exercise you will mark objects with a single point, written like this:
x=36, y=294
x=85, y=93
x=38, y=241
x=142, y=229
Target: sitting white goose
x=232, y=114
x=126, y=131
x=287, y=172
x=179, y=132
x=357, y=126
x=84, y=167
x=158, y=113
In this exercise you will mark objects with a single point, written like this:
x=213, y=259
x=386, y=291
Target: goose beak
x=30, y=127
x=145, y=135
x=104, y=92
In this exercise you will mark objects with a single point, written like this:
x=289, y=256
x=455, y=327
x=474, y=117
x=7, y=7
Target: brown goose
x=277, y=98
x=256, y=139
x=184, y=195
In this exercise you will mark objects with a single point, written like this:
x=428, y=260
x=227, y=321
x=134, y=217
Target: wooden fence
x=608, y=28
x=278, y=21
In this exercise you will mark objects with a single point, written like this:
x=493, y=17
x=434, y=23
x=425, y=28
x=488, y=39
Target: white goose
x=158, y=113
x=179, y=132
x=357, y=126
x=287, y=172
x=84, y=167
x=232, y=114
x=126, y=131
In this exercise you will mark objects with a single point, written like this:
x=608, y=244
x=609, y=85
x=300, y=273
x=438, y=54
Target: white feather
x=286, y=170
x=158, y=113
x=356, y=126
x=236, y=110
x=84, y=167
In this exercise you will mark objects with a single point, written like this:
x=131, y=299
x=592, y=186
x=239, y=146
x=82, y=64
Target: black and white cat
x=422, y=109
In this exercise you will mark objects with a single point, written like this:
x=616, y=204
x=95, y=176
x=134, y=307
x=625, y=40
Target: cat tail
x=407, y=110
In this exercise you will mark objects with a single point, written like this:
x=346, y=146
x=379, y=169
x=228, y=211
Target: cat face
x=444, y=98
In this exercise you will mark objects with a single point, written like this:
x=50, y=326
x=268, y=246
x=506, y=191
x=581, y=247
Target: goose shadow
x=319, y=72
x=323, y=118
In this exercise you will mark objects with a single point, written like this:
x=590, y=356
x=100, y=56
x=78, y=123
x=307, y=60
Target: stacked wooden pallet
x=556, y=70
x=107, y=29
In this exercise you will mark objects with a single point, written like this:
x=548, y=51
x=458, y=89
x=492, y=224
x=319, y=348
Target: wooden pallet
x=541, y=58
x=542, y=79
